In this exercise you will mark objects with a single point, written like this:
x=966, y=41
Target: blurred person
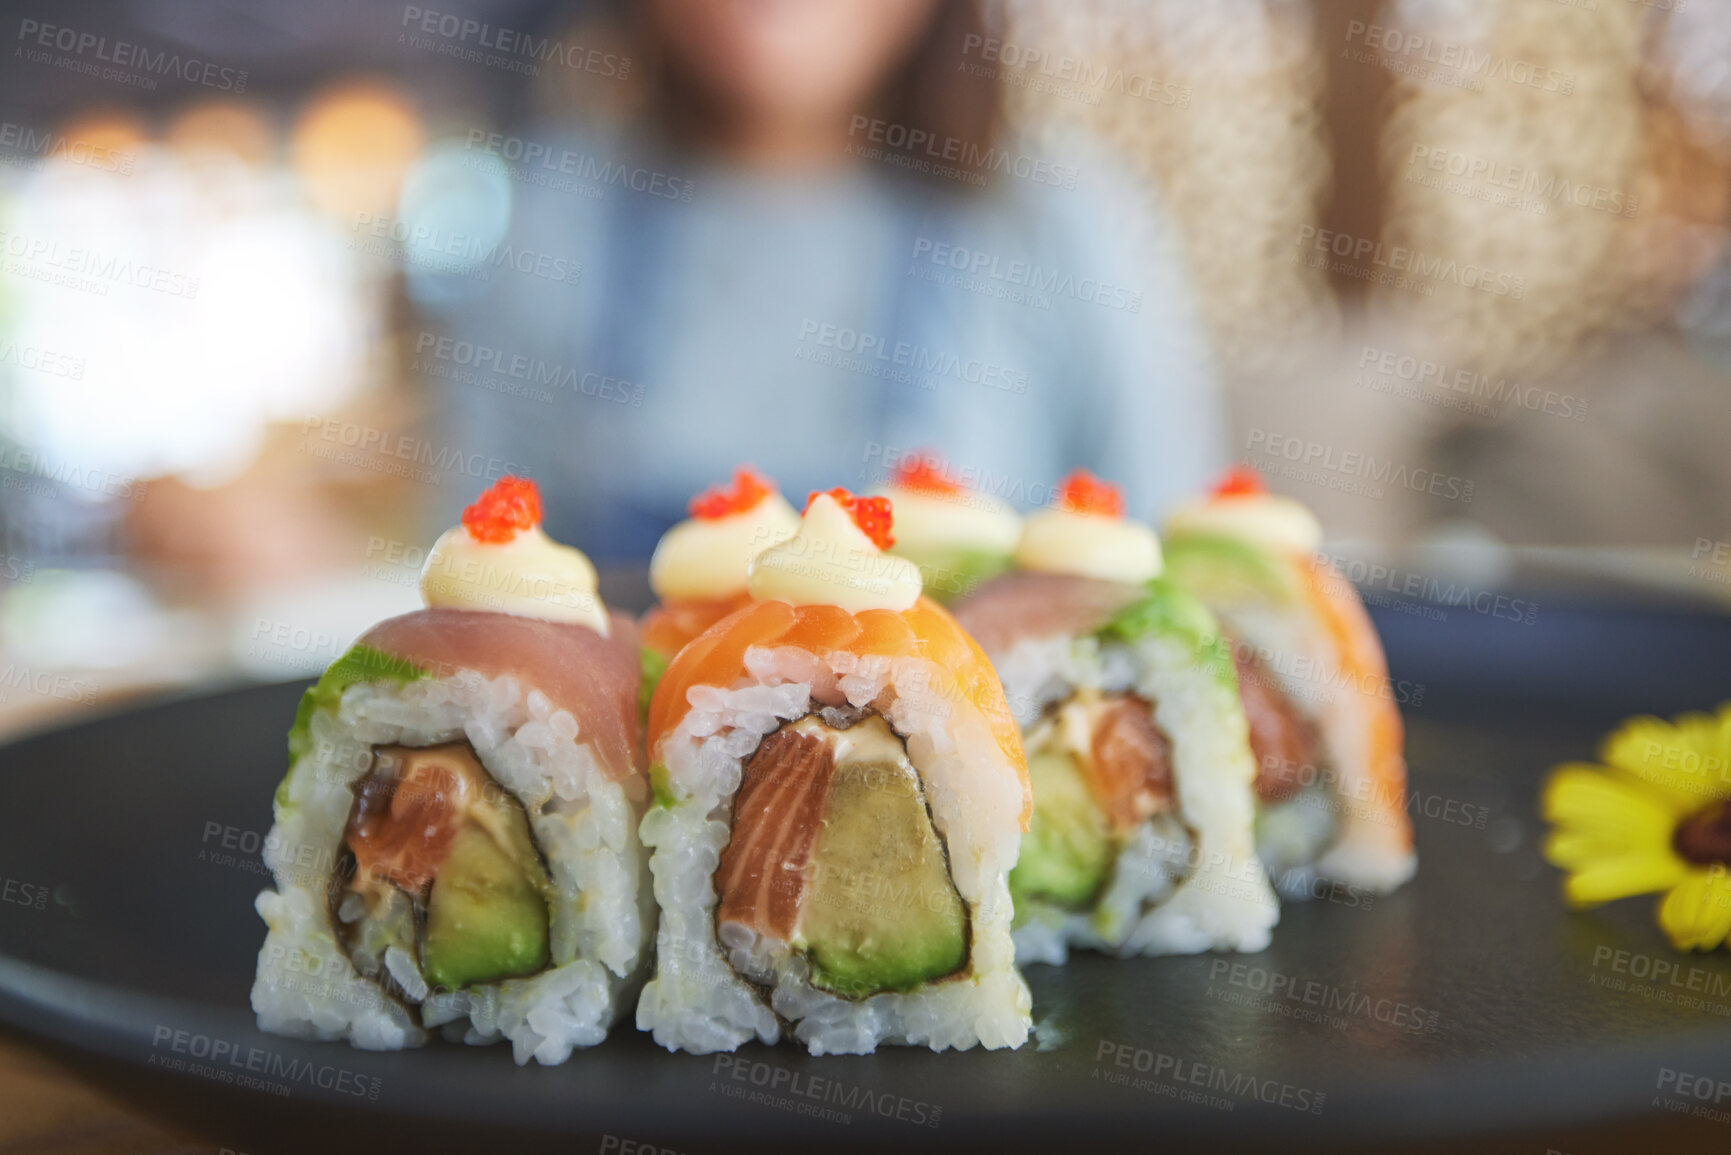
x=794, y=290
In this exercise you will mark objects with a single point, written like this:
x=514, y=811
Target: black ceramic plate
x=1469, y=1002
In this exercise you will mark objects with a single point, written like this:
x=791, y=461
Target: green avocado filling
x=487, y=914
x=858, y=880
x=661, y=788
x=1067, y=851
x=1067, y=855
x=881, y=913
x=446, y=870
x=653, y=664
x=1170, y=610
x=1227, y=572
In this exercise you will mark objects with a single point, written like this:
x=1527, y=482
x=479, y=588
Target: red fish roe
x=1240, y=481
x=511, y=506
x=921, y=473
x=749, y=487
x=1082, y=492
x=872, y=515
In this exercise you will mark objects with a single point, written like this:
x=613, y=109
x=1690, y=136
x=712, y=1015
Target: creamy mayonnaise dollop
x=931, y=524
x=831, y=562
x=1263, y=519
x=530, y=575
x=1095, y=545
x=707, y=558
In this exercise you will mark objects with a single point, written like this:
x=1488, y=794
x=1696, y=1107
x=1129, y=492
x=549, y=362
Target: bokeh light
x=353, y=145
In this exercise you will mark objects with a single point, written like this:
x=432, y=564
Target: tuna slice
x=1015, y=606
x=1131, y=763
x=593, y=678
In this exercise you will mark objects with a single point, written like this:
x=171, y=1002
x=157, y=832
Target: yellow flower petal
x=1687, y=761
x=1571, y=850
x=1585, y=800
x=1615, y=824
x=1613, y=878
x=1697, y=912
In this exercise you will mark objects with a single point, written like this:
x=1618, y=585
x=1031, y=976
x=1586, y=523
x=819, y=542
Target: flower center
x=1705, y=838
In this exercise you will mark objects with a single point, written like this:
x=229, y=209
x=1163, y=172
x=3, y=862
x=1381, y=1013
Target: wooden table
x=47, y=1106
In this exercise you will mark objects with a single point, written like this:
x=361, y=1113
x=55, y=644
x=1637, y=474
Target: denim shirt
x=656, y=320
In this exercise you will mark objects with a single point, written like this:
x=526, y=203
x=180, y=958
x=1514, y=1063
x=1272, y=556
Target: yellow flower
x=1656, y=816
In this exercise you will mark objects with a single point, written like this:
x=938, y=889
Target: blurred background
x=283, y=288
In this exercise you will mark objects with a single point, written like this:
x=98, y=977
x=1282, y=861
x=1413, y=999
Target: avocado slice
x=1226, y=572
x=1067, y=850
x=359, y=664
x=438, y=857
x=1171, y=610
x=881, y=913
x=652, y=665
x=487, y=913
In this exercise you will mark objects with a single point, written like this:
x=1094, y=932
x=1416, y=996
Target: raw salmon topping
x=748, y=488
x=671, y=626
x=873, y=515
x=921, y=473
x=1240, y=481
x=1082, y=492
x=511, y=506
x=963, y=673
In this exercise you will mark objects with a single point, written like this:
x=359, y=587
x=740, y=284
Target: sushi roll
x=839, y=797
x=455, y=845
x=1142, y=835
x=698, y=571
x=957, y=536
x=1324, y=725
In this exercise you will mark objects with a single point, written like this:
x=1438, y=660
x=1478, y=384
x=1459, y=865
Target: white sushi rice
x=1181, y=884
x=1292, y=834
x=698, y=1000
x=584, y=823
x=1366, y=846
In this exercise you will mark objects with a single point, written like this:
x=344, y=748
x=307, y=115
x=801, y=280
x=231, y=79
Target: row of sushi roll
x=802, y=798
